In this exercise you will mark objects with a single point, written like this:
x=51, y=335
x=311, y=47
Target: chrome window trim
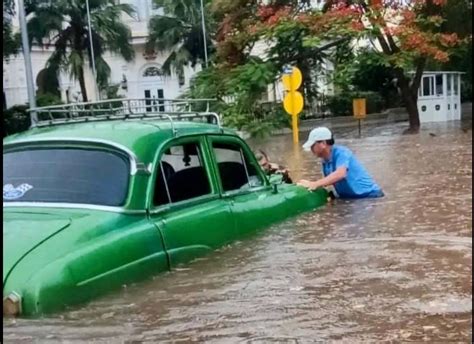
x=72, y=206
x=184, y=203
x=166, y=182
x=238, y=192
x=136, y=167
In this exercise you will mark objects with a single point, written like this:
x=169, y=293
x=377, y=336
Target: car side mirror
x=275, y=180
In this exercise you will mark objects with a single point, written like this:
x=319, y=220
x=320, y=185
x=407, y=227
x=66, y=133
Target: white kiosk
x=439, y=97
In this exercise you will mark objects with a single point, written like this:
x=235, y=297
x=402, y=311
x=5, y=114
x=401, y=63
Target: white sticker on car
x=10, y=192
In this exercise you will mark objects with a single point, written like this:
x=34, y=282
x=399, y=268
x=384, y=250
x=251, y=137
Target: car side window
x=181, y=175
x=235, y=170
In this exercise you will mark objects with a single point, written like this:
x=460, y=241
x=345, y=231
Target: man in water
x=341, y=169
x=271, y=168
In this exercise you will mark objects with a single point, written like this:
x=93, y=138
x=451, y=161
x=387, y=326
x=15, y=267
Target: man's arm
x=339, y=174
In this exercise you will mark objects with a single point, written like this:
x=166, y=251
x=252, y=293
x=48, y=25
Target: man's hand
x=339, y=174
x=308, y=184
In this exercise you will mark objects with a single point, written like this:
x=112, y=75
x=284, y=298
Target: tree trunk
x=411, y=106
x=82, y=84
x=410, y=98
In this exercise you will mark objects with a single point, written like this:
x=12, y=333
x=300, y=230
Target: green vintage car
x=93, y=201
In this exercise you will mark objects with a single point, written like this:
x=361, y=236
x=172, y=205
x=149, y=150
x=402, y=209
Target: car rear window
x=85, y=176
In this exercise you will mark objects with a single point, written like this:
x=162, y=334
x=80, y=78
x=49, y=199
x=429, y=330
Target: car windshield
x=66, y=175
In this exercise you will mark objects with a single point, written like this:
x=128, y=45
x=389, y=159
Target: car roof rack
x=127, y=108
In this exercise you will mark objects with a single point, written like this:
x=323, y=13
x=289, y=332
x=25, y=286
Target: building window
x=152, y=72
x=181, y=79
x=455, y=84
x=428, y=86
x=154, y=101
x=439, y=85
x=450, y=90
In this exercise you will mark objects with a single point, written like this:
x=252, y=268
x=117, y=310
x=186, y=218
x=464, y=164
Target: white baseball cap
x=317, y=134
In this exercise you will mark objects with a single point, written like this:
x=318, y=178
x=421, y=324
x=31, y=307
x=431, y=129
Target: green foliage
x=291, y=47
x=466, y=91
x=16, y=119
x=111, y=91
x=365, y=71
x=66, y=21
x=264, y=118
x=246, y=85
x=208, y=83
x=247, y=82
x=461, y=56
x=11, y=41
x=288, y=47
x=47, y=99
x=259, y=129
x=343, y=53
x=453, y=22
x=238, y=92
x=341, y=104
x=371, y=73
x=179, y=31
x=8, y=8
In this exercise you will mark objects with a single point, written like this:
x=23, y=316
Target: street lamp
x=204, y=31
x=27, y=57
x=97, y=94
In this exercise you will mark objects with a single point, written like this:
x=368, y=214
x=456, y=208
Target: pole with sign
x=293, y=102
x=358, y=106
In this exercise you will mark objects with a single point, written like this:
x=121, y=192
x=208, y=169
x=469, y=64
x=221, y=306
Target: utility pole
x=97, y=93
x=27, y=57
x=204, y=32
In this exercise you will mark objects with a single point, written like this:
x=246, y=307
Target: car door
x=252, y=200
x=186, y=205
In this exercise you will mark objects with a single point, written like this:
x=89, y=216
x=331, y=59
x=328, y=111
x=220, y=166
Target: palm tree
x=179, y=30
x=11, y=41
x=63, y=23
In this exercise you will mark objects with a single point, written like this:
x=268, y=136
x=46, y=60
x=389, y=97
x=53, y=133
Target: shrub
x=47, y=99
x=341, y=104
x=16, y=119
x=260, y=122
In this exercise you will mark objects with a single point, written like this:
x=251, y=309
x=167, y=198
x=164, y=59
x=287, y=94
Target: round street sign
x=292, y=81
x=293, y=103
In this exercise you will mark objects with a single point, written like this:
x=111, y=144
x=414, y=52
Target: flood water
x=391, y=269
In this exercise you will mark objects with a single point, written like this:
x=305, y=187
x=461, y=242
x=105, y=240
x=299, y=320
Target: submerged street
x=394, y=268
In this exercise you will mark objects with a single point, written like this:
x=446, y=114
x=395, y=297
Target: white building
x=439, y=97
x=138, y=79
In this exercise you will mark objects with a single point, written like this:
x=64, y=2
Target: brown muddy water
x=392, y=269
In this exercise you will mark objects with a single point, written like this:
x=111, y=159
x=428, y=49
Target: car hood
x=24, y=231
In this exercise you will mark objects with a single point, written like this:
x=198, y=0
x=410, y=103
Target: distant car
x=91, y=203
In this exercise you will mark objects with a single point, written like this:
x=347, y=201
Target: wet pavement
x=395, y=269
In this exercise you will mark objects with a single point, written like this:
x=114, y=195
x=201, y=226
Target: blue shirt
x=357, y=183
